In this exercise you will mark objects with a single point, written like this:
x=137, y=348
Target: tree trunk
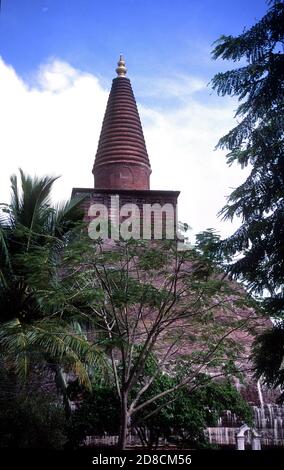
x=62, y=388
x=124, y=422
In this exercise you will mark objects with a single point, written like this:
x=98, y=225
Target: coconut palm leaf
x=33, y=218
x=41, y=314
x=67, y=215
x=15, y=200
x=30, y=206
x=46, y=341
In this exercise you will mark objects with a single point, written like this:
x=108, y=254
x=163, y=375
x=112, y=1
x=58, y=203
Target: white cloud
x=179, y=86
x=53, y=126
x=56, y=76
x=181, y=146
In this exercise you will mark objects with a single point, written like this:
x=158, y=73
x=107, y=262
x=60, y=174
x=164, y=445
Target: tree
x=39, y=303
x=182, y=417
x=152, y=298
x=257, y=142
x=268, y=353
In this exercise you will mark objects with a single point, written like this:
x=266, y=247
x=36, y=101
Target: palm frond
x=35, y=202
x=67, y=215
x=15, y=199
x=22, y=343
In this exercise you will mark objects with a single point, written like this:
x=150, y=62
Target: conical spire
x=121, y=161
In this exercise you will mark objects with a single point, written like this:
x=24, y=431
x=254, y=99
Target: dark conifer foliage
x=257, y=141
x=269, y=357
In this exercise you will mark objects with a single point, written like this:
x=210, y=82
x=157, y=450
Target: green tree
x=257, y=142
x=41, y=304
x=180, y=417
x=176, y=304
x=268, y=353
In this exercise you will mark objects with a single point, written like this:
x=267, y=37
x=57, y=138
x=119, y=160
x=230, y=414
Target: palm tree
x=41, y=309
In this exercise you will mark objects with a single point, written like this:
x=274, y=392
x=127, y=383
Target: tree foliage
x=70, y=303
x=269, y=357
x=41, y=303
x=153, y=298
x=257, y=142
x=180, y=417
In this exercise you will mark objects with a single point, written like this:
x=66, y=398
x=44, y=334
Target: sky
x=57, y=61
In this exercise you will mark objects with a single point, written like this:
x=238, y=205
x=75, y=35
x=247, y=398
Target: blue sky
x=160, y=35
x=57, y=62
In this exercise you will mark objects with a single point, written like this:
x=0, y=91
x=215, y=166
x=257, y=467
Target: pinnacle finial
x=121, y=69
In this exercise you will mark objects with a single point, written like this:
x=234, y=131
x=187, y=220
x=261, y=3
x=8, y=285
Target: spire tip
x=121, y=70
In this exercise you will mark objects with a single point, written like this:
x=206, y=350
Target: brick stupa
x=122, y=167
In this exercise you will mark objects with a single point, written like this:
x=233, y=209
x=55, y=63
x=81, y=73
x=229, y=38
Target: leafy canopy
x=257, y=142
x=41, y=303
x=181, y=417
